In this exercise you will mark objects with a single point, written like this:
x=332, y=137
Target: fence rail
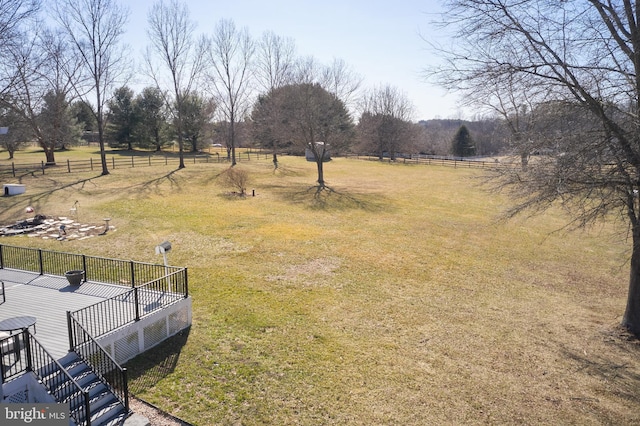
x=456, y=162
x=113, y=162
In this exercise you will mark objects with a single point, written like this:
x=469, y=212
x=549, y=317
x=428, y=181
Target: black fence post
x=136, y=300
x=1, y=257
x=132, y=269
x=25, y=336
x=125, y=389
x=186, y=283
x=13, y=169
x=70, y=331
x=68, y=165
x=91, y=162
x=40, y=262
x=87, y=407
x=84, y=267
x=135, y=290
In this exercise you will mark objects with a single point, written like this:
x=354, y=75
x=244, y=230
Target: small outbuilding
x=13, y=189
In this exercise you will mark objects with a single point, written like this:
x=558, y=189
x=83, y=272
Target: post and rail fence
x=75, y=166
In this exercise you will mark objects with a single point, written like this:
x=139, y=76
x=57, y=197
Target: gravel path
x=156, y=416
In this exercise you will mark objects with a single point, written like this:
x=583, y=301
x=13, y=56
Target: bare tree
x=310, y=118
x=275, y=67
x=339, y=79
x=275, y=61
x=385, y=124
x=171, y=32
x=42, y=68
x=585, y=55
x=231, y=53
x=13, y=15
x=94, y=28
x=18, y=134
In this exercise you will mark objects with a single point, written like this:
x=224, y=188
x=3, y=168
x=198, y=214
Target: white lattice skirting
x=135, y=338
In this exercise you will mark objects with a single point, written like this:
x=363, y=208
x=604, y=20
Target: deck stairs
x=105, y=408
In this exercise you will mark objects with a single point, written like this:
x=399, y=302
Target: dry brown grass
x=396, y=298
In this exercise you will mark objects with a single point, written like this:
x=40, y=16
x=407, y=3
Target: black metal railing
x=105, y=316
x=110, y=314
x=22, y=352
x=100, y=269
x=13, y=353
x=101, y=363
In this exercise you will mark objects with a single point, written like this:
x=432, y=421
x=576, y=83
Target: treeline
x=67, y=81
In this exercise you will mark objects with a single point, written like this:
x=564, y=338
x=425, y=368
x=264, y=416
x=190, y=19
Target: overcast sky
x=380, y=39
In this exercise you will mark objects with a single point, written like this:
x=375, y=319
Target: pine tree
x=463, y=145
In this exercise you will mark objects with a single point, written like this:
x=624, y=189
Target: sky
x=381, y=40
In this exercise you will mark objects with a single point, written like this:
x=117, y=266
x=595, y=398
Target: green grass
x=396, y=298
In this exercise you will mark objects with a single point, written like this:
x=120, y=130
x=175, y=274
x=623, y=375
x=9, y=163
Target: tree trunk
x=320, y=172
x=631, y=319
x=49, y=154
x=180, y=145
x=524, y=160
x=103, y=153
x=233, y=140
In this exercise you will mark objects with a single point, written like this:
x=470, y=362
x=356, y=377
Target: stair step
x=113, y=409
x=106, y=409
x=115, y=419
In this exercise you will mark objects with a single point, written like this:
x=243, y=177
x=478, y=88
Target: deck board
x=48, y=298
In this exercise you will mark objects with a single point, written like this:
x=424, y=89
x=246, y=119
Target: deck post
x=26, y=340
x=186, y=284
x=40, y=262
x=133, y=273
x=70, y=331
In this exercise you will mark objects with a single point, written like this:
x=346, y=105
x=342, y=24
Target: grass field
x=396, y=298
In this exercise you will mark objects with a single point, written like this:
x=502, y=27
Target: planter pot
x=74, y=277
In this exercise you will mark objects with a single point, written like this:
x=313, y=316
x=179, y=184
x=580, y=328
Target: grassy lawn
x=396, y=298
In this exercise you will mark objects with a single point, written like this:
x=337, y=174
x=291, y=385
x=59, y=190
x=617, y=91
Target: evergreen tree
x=463, y=145
x=122, y=117
x=57, y=123
x=152, y=127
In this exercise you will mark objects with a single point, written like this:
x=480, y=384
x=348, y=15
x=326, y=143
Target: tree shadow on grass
x=612, y=368
x=36, y=200
x=327, y=198
x=147, y=369
x=39, y=199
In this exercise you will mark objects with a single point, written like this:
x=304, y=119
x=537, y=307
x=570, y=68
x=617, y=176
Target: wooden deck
x=48, y=298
